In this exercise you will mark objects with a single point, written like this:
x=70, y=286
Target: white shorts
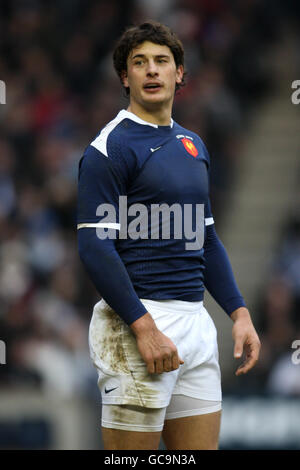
x=122, y=374
x=137, y=418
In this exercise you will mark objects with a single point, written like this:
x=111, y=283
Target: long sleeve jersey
x=145, y=227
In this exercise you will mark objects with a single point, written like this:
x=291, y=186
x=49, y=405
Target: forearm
x=218, y=276
x=109, y=275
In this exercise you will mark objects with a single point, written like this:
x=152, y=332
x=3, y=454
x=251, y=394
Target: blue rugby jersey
x=130, y=171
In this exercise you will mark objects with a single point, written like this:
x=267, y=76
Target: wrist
x=143, y=325
x=240, y=313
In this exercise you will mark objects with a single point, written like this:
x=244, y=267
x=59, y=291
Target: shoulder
x=110, y=150
x=110, y=135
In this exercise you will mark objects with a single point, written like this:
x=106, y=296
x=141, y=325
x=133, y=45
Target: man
x=147, y=239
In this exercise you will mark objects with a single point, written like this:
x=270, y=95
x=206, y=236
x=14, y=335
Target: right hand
x=157, y=350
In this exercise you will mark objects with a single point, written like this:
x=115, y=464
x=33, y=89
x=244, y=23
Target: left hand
x=245, y=339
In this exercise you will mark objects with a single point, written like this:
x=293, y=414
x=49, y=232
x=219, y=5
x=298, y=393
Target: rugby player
x=151, y=339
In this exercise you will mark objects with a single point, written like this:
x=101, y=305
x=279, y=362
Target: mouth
x=152, y=87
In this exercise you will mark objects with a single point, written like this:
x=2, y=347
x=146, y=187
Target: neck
x=161, y=117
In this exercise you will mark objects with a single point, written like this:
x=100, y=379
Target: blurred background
x=56, y=61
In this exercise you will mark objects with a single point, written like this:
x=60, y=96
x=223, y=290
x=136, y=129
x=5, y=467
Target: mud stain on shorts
x=115, y=347
x=106, y=338
x=144, y=393
x=137, y=415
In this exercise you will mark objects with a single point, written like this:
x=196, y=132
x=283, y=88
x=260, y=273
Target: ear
x=124, y=78
x=179, y=74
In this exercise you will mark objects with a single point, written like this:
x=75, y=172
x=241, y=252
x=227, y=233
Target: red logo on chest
x=189, y=147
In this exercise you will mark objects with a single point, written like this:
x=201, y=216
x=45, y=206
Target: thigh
x=131, y=427
x=116, y=439
x=200, y=432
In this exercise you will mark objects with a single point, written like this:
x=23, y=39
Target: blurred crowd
x=56, y=61
x=278, y=370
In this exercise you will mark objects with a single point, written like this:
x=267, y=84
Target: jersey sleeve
x=219, y=279
x=218, y=274
x=102, y=180
x=208, y=217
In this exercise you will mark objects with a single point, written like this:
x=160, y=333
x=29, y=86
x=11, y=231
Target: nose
x=152, y=68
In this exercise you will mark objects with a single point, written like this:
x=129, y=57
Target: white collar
x=128, y=114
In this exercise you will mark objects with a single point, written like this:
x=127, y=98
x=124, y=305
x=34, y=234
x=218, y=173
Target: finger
x=238, y=347
x=167, y=364
x=246, y=365
x=175, y=361
x=151, y=366
x=159, y=367
x=244, y=368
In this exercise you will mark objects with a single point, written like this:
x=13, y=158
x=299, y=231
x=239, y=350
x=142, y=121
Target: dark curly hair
x=152, y=31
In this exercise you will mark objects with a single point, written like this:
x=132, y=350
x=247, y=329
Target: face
x=152, y=75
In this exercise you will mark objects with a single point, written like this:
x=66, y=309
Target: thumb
x=181, y=361
x=238, y=348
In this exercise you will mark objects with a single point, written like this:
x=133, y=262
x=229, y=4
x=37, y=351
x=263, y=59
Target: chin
x=155, y=99
x=154, y=104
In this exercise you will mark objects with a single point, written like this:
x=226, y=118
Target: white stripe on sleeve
x=209, y=221
x=100, y=225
